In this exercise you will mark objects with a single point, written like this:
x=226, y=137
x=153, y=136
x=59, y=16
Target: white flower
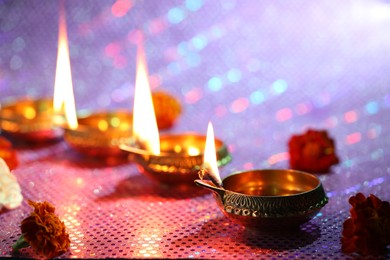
x=10, y=192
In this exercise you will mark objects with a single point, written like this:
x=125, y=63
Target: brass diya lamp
x=179, y=159
x=31, y=120
x=40, y=119
x=170, y=158
x=95, y=134
x=270, y=199
x=100, y=134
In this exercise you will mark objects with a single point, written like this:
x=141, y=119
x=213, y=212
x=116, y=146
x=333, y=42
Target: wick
x=204, y=172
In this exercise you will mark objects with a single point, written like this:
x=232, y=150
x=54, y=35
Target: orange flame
x=145, y=129
x=63, y=87
x=210, y=157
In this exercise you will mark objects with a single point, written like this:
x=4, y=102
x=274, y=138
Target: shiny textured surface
x=261, y=71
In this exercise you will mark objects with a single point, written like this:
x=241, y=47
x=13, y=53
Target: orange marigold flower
x=8, y=153
x=367, y=231
x=44, y=231
x=314, y=151
x=167, y=109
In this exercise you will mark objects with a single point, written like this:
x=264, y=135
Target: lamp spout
x=219, y=191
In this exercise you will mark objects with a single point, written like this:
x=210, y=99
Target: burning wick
x=210, y=166
x=205, y=173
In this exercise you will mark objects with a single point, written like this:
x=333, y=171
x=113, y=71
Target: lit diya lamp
x=269, y=199
x=95, y=134
x=30, y=119
x=170, y=158
x=40, y=119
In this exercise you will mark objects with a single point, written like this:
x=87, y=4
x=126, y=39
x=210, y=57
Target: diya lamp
x=41, y=119
x=268, y=199
x=171, y=159
x=94, y=134
x=99, y=134
x=30, y=119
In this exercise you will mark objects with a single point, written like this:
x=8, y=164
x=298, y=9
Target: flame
x=63, y=87
x=145, y=129
x=210, y=157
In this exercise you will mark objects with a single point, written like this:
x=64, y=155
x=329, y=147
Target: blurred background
x=260, y=70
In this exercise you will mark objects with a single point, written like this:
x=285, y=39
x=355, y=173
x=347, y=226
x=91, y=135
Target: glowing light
x=350, y=117
x=214, y=84
x=234, y=75
x=148, y=240
x=121, y=7
x=103, y=125
x=199, y=42
x=257, y=97
x=79, y=181
x=239, y=105
x=157, y=26
x=372, y=108
x=29, y=113
x=194, y=5
x=331, y=122
x=135, y=36
x=145, y=128
x=303, y=109
x=374, y=132
x=115, y=122
x=284, y=114
x=248, y=166
x=182, y=48
x=279, y=86
x=193, y=59
x=217, y=32
x=71, y=212
x=278, y=158
x=193, y=151
x=176, y=15
x=210, y=157
x=124, y=126
x=112, y=49
x=63, y=87
x=194, y=95
x=354, y=138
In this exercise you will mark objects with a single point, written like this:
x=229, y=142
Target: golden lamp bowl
x=180, y=158
x=269, y=199
x=30, y=119
x=100, y=134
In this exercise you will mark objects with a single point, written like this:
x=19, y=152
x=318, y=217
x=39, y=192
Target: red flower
x=8, y=153
x=314, y=151
x=368, y=230
x=167, y=109
x=43, y=231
